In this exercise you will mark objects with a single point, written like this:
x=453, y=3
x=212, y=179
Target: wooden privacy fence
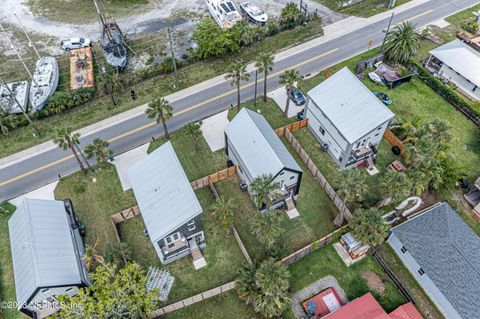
x=191, y=300
x=214, y=178
x=394, y=141
x=332, y=194
x=310, y=248
x=291, y=127
x=126, y=214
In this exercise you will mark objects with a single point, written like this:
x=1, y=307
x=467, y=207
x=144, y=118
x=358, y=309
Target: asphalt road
x=42, y=169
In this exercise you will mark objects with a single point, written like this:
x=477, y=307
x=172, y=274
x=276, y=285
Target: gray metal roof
x=259, y=147
x=461, y=58
x=349, y=105
x=163, y=192
x=42, y=246
x=449, y=252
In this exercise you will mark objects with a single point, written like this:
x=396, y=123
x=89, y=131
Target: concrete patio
x=213, y=129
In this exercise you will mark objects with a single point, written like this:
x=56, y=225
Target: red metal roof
x=364, y=307
x=406, y=311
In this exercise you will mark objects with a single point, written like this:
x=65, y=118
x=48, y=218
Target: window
x=403, y=249
x=322, y=130
x=45, y=290
x=292, y=177
x=176, y=236
x=421, y=272
x=69, y=289
x=191, y=225
x=377, y=134
x=282, y=173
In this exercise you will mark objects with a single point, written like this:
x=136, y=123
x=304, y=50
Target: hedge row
x=58, y=103
x=445, y=91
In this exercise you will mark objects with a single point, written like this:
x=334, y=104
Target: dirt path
x=147, y=22
x=169, y=13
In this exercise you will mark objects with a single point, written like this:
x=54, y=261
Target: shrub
x=167, y=65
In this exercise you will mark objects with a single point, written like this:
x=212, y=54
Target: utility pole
x=12, y=95
x=30, y=42
x=84, y=158
x=12, y=45
x=388, y=30
x=256, y=81
x=173, y=54
x=391, y=3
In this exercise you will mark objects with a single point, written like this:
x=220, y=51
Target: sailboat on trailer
x=113, y=42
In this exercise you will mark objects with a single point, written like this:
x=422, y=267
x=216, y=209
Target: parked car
x=383, y=97
x=75, y=43
x=297, y=97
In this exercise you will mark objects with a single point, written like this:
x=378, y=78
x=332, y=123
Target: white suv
x=75, y=43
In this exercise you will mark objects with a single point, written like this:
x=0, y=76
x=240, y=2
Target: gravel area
x=313, y=289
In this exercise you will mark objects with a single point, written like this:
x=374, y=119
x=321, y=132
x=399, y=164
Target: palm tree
x=288, y=79
x=267, y=228
x=193, y=131
x=262, y=188
x=99, y=149
x=109, y=82
x=66, y=139
x=368, y=226
x=402, y=42
x=223, y=212
x=395, y=185
x=161, y=111
x=354, y=183
x=236, y=73
x=265, y=64
x=265, y=287
x=91, y=257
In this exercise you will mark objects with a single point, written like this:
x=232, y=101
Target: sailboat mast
x=17, y=53
x=30, y=42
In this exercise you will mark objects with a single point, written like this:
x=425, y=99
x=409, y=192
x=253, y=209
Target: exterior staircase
x=198, y=259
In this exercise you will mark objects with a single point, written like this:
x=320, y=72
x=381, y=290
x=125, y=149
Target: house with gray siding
x=458, y=63
x=443, y=254
x=168, y=205
x=347, y=119
x=254, y=147
x=47, y=251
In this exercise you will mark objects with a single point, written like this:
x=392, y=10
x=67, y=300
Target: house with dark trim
x=347, y=119
x=47, y=251
x=254, y=147
x=169, y=207
x=443, y=254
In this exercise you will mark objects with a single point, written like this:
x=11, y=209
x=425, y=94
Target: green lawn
x=157, y=86
x=7, y=285
x=196, y=163
x=365, y=8
x=95, y=202
x=222, y=254
x=226, y=305
x=326, y=261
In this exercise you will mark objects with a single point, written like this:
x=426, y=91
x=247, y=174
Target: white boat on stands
x=253, y=14
x=44, y=82
x=9, y=96
x=224, y=12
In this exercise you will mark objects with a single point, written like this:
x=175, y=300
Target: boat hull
x=45, y=82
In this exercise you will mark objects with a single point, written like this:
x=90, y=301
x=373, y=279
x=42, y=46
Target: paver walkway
x=313, y=289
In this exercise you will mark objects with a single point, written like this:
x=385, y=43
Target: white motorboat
x=14, y=97
x=224, y=12
x=253, y=14
x=44, y=82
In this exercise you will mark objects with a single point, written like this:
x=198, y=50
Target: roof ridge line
x=248, y=111
x=30, y=239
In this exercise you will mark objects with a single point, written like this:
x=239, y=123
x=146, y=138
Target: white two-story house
x=254, y=147
x=347, y=119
